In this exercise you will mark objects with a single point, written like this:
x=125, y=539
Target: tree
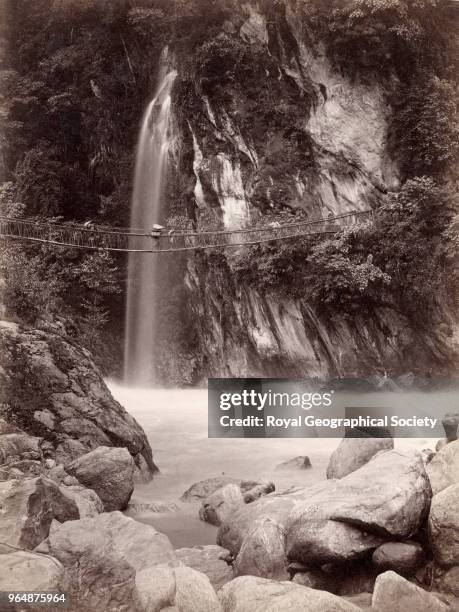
x=97, y=274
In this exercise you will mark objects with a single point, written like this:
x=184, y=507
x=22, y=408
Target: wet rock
x=297, y=463
x=395, y=594
x=63, y=398
x=258, y=491
x=250, y=594
x=26, y=512
x=401, y=557
x=387, y=497
x=353, y=453
x=444, y=526
x=221, y=504
x=109, y=472
x=450, y=424
x=202, y=489
x=29, y=571
x=443, y=469
x=179, y=588
x=213, y=561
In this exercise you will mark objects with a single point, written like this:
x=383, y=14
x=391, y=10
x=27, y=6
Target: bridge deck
x=169, y=240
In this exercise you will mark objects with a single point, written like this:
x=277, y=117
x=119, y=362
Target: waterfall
x=146, y=208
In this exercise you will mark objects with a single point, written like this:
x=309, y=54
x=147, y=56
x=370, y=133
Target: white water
x=175, y=423
x=150, y=171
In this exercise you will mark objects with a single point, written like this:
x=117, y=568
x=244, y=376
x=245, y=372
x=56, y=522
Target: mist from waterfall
x=146, y=210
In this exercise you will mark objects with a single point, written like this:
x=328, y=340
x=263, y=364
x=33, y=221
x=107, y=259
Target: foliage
x=426, y=126
x=398, y=260
x=29, y=291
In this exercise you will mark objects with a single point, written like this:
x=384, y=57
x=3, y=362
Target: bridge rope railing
x=169, y=240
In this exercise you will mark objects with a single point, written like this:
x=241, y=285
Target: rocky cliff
x=51, y=389
x=268, y=129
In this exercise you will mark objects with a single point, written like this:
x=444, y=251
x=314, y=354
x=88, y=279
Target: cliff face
x=286, y=132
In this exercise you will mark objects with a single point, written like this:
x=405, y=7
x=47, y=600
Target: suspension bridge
x=168, y=240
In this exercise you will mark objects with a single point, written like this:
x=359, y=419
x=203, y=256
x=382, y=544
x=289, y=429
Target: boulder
x=401, y=557
x=263, y=552
x=22, y=570
x=175, y=588
x=50, y=388
x=297, y=463
x=444, y=526
x=213, y=561
x=202, y=489
x=393, y=593
x=253, y=594
x=387, y=497
x=353, y=453
x=450, y=424
x=221, y=504
x=102, y=556
x=26, y=512
x=108, y=534
x=109, y=472
x=443, y=469
x=258, y=491
x=257, y=530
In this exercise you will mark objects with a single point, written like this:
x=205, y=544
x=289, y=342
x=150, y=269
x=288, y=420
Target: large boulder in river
x=22, y=570
x=253, y=594
x=386, y=498
x=353, y=453
x=444, y=526
x=102, y=555
x=26, y=512
x=221, y=504
x=50, y=388
x=202, y=489
x=443, y=469
x=109, y=472
x=255, y=535
x=392, y=593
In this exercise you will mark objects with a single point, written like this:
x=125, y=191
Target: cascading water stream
x=150, y=172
